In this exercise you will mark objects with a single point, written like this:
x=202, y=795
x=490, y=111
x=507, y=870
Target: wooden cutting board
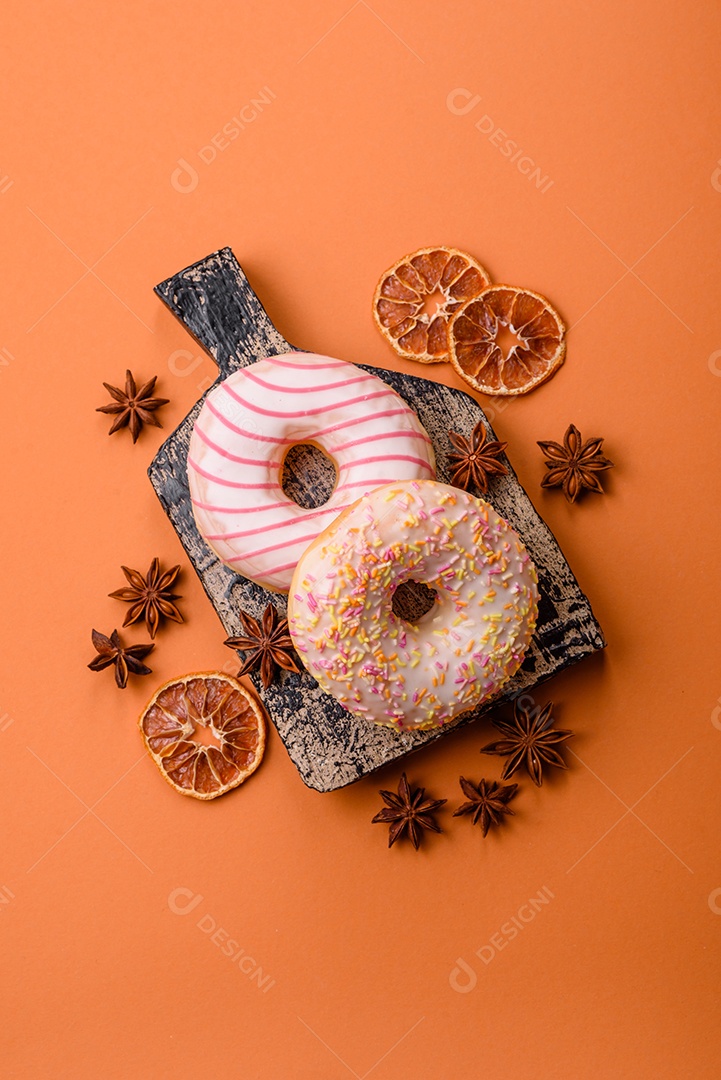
x=328, y=746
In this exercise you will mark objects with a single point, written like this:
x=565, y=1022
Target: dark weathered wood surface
x=329, y=747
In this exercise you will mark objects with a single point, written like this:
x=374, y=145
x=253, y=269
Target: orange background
x=357, y=158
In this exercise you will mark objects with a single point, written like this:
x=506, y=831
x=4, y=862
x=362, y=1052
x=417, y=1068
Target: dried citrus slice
x=477, y=355
x=402, y=292
x=205, y=705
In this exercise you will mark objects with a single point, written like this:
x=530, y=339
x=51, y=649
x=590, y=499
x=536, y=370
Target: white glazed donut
x=245, y=428
x=459, y=653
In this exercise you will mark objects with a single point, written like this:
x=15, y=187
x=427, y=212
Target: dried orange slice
x=207, y=705
x=477, y=355
x=401, y=294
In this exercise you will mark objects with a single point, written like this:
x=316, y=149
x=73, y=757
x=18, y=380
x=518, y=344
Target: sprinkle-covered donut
x=245, y=428
x=459, y=653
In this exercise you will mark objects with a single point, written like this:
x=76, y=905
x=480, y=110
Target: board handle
x=214, y=300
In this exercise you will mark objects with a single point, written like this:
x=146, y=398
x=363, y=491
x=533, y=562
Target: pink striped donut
x=247, y=425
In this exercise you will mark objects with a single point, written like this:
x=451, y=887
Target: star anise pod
x=126, y=659
x=133, y=407
x=150, y=596
x=475, y=459
x=575, y=465
x=408, y=812
x=530, y=740
x=270, y=645
x=487, y=801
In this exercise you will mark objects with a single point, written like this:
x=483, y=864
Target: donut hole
x=308, y=475
x=412, y=600
x=432, y=302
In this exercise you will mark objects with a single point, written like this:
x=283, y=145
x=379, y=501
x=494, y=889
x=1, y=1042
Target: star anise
x=126, y=659
x=530, y=740
x=487, y=801
x=575, y=465
x=150, y=596
x=270, y=645
x=476, y=459
x=133, y=407
x=408, y=812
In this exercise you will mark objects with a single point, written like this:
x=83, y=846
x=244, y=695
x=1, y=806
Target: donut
x=245, y=428
x=461, y=652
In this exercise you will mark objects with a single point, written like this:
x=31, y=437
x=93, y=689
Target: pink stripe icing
x=230, y=483
x=234, y=457
x=305, y=389
x=278, y=524
x=237, y=509
x=241, y=422
x=388, y=457
x=279, y=569
x=241, y=431
x=292, y=440
x=276, y=547
x=398, y=433
x=301, y=412
x=277, y=362
x=368, y=484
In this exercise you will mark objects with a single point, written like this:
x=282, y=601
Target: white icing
x=247, y=425
x=461, y=652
